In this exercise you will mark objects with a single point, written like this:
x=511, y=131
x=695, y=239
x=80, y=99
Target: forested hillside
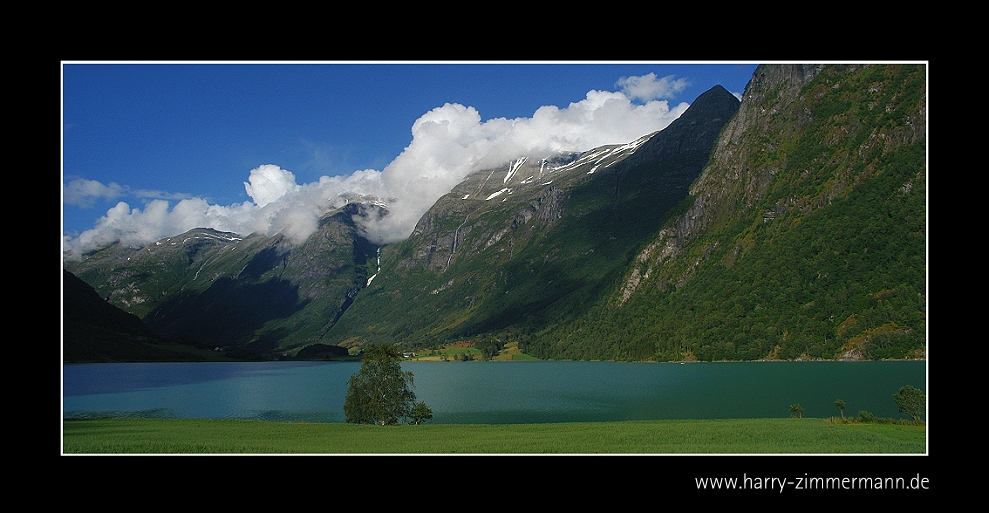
x=805, y=238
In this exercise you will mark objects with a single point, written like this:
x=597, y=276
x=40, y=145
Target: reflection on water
x=492, y=392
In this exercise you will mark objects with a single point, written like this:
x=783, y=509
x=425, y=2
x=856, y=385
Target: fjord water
x=492, y=392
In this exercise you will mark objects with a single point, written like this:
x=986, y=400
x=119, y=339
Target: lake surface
x=492, y=392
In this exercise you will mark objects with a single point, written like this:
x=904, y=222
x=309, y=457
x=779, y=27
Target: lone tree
x=912, y=401
x=841, y=407
x=380, y=392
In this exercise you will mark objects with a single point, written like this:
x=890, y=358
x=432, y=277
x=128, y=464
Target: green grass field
x=737, y=436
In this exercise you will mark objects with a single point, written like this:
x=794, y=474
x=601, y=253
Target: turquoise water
x=492, y=392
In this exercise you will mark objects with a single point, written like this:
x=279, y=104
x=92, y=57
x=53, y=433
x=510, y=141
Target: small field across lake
x=735, y=436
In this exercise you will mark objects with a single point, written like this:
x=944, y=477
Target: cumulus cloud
x=268, y=183
x=448, y=143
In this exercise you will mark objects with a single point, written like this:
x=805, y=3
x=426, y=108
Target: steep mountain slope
x=534, y=243
x=805, y=236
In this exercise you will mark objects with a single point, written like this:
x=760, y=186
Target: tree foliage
x=912, y=401
x=380, y=392
x=420, y=413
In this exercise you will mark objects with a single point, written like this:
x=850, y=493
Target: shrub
x=865, y=416
x=796, y=410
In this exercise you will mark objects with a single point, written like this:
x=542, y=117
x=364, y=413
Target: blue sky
x=151, y=148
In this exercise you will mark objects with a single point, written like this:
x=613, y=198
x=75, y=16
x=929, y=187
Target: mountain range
x=788, y=225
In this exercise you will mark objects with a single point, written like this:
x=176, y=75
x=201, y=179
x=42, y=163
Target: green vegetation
x=866, y=417
x=911, y=400
x=796, y=410
x=819, y=253
x=736, y=436
x=381, y=392
x=420, y=413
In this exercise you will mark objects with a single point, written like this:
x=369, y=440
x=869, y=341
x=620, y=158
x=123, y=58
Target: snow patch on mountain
x=499, y=193
x=513, y=167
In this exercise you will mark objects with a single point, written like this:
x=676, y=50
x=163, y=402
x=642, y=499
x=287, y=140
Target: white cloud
x=646, y=87
x=268, y=183
x=448, y=143
x=83, y=193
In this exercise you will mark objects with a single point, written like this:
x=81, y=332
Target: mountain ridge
x=655, y=249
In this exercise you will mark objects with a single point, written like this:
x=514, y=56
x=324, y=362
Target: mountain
x=789, y=225
x=254, y=293
x=805, y=235
x=514, y=249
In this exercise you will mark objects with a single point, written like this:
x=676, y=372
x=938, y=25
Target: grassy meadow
x=735, y=436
